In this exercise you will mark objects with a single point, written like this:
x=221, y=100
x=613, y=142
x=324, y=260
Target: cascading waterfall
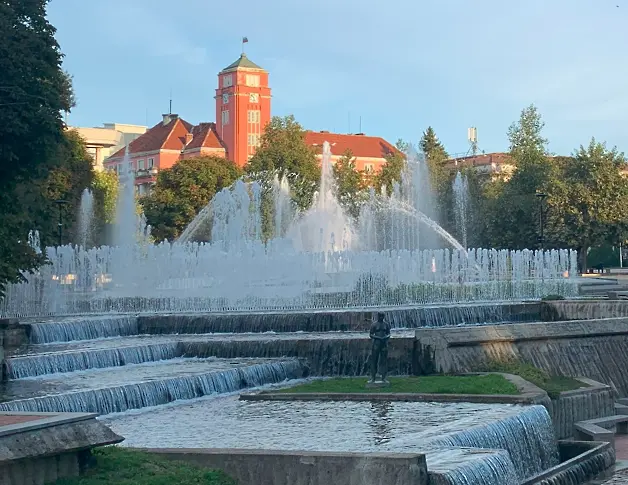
x=461, y=205
x=156, y=392
x=60, y=363
x=83, y=328
x=86, y=218
x=471, y=467
x=527, y=436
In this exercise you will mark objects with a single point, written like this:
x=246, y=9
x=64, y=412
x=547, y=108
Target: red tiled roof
x=169, y=136
x=205, y=136
x=360, y=145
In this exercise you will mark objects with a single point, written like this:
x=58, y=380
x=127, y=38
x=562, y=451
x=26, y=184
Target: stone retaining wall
x=254, y=467
x=595, y=349
x=596, y=401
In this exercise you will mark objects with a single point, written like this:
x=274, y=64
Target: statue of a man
x=380, y=334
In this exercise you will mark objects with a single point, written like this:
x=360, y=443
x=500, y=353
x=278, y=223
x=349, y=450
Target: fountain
x=461, y=205
x=86, y=218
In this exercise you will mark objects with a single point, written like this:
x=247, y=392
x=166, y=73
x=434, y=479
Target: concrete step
x=623, y=400
x=621, y=408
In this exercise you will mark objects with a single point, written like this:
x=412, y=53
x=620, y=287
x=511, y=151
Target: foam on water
x=118, y=398
x=461, y=466
x=55, y=363
x=70, y=329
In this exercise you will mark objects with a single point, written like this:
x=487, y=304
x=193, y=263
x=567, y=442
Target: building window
x=252, y=80
x=225, y=117
x=253, y=98
x=140, y=164
x=151, y=163
x=368, y=168
x=253, y=116
x=227, y=81
x=253, y=140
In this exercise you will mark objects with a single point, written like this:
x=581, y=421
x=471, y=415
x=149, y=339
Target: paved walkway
x=7, y=420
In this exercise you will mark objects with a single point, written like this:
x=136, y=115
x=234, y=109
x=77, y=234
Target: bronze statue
x=379, y=334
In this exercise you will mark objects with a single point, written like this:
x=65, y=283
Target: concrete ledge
x=254, y=467
x=46, y=420
x=55, y=446
x=582, y=459
x=529, y=394
x=593, y=432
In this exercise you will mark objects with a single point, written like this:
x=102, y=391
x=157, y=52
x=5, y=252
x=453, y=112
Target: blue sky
x=400, y=65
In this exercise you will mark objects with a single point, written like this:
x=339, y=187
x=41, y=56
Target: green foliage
x=349, y=184
x=283, y=150
x=590, y=200
x=390, y=172
x=553, y=385
x=435, y=155
x=34, y=91
x=441, y=384
x=182, y=191
x=512, y=207
x=119, y=466
x=105, y=186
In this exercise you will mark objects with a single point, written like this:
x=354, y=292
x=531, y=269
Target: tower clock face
x=253, y=97
x=225, y=98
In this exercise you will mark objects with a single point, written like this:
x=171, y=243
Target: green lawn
x=481, y=384
x=119, y=466
x=553, y=385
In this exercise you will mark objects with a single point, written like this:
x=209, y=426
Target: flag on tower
x=245, y=40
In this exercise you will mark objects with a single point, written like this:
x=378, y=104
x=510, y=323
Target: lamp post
x=541, y=196
x=60, y=203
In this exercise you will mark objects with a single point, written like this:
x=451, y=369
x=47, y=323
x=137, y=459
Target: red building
x=243, y=109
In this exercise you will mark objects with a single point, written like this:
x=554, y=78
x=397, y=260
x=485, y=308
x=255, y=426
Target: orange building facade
x=243, y=108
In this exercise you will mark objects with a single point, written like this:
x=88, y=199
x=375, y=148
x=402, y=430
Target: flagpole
x=244, y=41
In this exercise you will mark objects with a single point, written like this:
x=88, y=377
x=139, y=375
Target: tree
x=105, y=187
x=283, y=150
x=435, y=155
x=183, y=190
x=393, y=168
x=34, y=91
x=590, y=200
x=513, y=209
x=349, y=184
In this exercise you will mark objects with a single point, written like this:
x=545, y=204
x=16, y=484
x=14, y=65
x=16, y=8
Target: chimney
x=188, y=138
x=167, y=118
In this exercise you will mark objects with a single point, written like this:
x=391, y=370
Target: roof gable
x=168, y=136
x=204, y=135
x=360, y=145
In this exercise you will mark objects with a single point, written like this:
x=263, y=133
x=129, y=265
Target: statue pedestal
x=377, y=384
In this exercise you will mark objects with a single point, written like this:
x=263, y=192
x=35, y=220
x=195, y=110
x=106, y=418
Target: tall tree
x=349, y=184
x=283, y=150
x=590, y=202
x=183, y=190
x=34, y=91
x=514, y=208
x=435, y=155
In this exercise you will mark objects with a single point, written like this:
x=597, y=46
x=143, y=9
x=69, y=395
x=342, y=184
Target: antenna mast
x=472, y=137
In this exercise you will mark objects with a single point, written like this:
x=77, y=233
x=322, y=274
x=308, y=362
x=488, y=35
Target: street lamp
x=60, y=203
x=541, y=196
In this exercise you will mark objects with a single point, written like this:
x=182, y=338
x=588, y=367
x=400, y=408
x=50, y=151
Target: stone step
x=621, y=408
x=623, y=400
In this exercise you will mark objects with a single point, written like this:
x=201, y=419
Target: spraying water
x=86, y=218
x=325, y=226
x=461, y=205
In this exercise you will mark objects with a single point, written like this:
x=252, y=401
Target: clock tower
x=242, y=108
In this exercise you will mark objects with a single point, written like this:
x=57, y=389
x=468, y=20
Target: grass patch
x=441, y=384
x=119, y=466
x=553, y=385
